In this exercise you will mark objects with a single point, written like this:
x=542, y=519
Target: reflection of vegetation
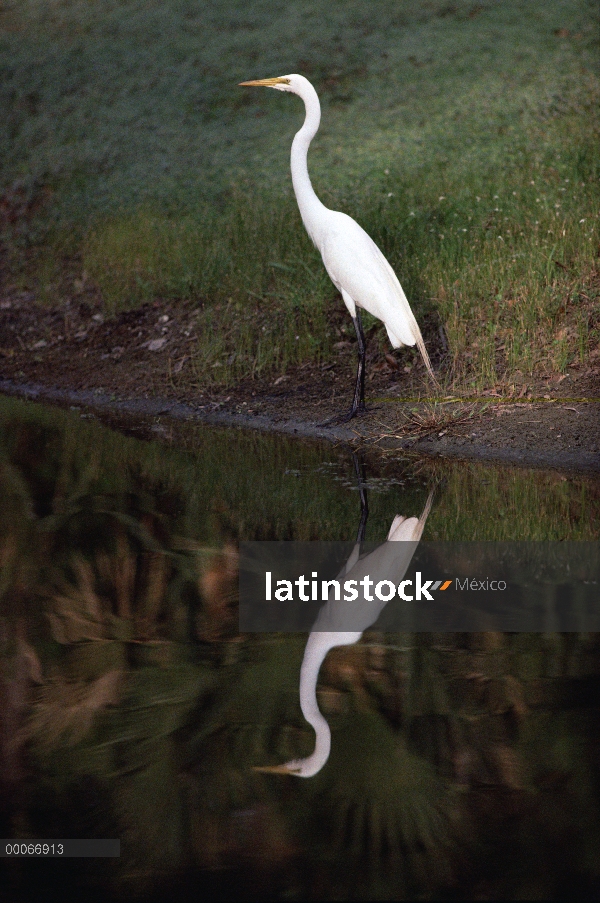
x=130, y=707
x=80, y=476
x=387, y=807
x=496, y=503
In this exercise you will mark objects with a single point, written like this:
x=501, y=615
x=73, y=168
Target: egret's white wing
x=356, y=265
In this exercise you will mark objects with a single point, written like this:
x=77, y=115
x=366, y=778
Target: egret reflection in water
x=462, y=765
x=389, y=561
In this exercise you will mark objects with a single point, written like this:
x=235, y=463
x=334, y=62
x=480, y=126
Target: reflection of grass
x=465, y=143
x=284, y=490
x=507, y=504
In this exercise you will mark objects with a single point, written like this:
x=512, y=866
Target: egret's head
x=302, y=768
x=294, y=767
x=292, y=83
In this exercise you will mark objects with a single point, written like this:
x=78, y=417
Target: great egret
x=353, y=261
x=388, y=561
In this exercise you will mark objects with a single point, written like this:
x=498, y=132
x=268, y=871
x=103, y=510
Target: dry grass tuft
x=438, y=418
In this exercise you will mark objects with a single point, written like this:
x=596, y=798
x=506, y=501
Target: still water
x=461, y=766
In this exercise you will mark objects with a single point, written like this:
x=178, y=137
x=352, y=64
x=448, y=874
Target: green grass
x=463, y=137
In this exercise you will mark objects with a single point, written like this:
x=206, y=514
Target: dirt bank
x=141, y=364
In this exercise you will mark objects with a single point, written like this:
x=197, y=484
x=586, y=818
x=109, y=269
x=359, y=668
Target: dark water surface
x=462, y=765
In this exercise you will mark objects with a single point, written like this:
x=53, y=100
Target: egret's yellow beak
x=276, y=769
x=266, y=82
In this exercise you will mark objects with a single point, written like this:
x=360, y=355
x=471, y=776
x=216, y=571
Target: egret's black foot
x=338, y=419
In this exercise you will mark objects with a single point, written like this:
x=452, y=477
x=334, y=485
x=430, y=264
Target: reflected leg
x=361, y=478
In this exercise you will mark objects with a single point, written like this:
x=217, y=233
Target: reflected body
x=390, y=562
x=353, y=261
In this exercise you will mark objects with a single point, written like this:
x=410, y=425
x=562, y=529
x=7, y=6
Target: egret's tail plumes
x=425, y=356
x=418, y=341
x=401, y=324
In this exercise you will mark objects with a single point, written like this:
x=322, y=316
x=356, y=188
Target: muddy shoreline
x=142, y=409
x=140, y=365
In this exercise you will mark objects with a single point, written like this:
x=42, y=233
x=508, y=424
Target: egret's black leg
x=361, y=478
x=358, y=402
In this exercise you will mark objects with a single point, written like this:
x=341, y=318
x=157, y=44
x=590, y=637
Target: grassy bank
x=463, y=137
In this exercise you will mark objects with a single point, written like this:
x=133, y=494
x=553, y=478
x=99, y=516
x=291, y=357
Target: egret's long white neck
x=318, y=645
x=309, y=204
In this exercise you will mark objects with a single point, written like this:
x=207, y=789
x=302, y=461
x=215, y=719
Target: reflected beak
x=266, y=82
x=276, y=769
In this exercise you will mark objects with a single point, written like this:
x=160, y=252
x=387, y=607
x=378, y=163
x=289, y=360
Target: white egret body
x=387, y=561
x=353, y=261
